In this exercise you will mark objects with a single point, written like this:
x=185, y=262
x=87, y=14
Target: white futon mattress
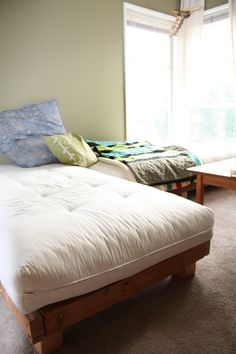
x=67, y=230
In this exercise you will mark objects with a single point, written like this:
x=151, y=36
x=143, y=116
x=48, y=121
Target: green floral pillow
x=71, y=149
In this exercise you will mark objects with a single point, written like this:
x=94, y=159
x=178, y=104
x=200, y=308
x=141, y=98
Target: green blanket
x=150, y=164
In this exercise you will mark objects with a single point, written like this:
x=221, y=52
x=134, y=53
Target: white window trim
x=147, y=16
x=216, y=13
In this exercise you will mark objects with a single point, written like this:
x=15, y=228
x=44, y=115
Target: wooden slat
x=219, y=181
x=61, y=315
x=47, y=324
x=32, y=324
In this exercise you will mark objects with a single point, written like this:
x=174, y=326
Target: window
x=148, y=63
x=151, y=70
x=215, y=117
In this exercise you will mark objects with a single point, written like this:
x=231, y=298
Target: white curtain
x=232, y=14
x=189, y=41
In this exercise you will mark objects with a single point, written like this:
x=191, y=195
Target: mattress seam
x=114, y=268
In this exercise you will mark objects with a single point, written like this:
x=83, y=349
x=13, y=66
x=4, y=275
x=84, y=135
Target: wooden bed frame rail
x=45, y=326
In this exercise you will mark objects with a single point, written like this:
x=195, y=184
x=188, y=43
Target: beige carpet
x=175, y=316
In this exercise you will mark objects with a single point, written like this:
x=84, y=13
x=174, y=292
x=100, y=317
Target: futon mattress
x=67, y=230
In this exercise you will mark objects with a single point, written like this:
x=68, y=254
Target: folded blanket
x=150, y=164
x=119, y=150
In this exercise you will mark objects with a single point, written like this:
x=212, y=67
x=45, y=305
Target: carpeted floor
x=176, y=316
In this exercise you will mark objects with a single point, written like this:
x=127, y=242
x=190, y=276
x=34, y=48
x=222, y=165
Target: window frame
x=163, y=22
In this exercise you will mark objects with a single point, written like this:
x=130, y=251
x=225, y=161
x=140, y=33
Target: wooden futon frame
x=45, y=326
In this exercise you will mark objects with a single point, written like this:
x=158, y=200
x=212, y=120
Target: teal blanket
x=150, y=164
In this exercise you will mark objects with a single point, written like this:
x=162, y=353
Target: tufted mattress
x=66, y=231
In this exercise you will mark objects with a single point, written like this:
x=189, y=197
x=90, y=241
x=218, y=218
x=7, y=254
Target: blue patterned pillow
x=22, y=131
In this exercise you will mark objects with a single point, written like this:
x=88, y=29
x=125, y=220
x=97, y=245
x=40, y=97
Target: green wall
x=71, y=50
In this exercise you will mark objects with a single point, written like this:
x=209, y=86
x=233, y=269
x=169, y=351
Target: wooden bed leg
x=50, y=344
x=187, y=271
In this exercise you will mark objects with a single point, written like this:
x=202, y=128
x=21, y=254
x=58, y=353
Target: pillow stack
x=34, y=135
